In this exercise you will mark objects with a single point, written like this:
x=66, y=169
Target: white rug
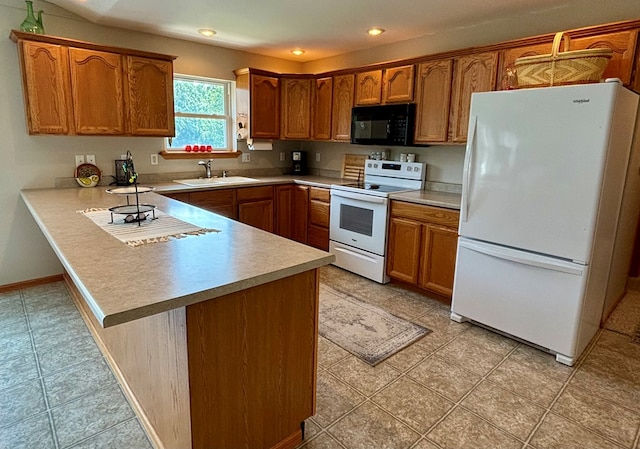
x=161, y=229
x=364, y=330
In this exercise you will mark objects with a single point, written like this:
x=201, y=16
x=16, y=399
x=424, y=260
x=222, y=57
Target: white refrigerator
x=550, y=200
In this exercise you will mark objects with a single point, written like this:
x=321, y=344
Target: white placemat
x=162, y=229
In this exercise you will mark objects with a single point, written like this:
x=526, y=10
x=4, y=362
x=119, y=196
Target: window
x=203, y=112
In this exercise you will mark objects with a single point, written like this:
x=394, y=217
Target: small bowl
x=91, y=181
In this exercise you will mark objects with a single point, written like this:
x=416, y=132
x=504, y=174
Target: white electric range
x=359, y=215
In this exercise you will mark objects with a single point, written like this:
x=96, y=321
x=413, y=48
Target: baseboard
x=30, y=283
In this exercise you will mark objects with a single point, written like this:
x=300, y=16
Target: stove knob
x=408, y=168
x=416, y=168
x=375, y=165
x=369, y=164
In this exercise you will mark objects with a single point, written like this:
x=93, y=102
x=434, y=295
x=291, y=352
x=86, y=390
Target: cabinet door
x=342, y=104
x=265, y=107
x=319, y=213
x=300, y=213
x=397, y=86
x=97, y=92
x=623, y=45
x=258, y=214
x=150, y=97
x=507, y=74
x=322, y=108
x=284, y=210
x=46, y=87
x=221, y=202
x=438, y=259
x=404, y=249
x=473, y=73
x=296, y=108
x=369, y=87
x=433, y=97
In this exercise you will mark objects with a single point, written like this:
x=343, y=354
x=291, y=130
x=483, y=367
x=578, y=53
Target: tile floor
x=459, y=387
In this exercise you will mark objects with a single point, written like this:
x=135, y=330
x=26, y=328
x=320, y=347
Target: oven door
x=359, y=220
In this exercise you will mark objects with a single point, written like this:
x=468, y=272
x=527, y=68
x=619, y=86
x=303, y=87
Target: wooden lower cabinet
x=221, y=202
x=422, y=246
x=292, y=204
x=256, y=207
x=318, y=229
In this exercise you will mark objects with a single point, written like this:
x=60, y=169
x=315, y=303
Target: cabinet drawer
x=437, y=215
x=319, y=213
x=212, y=198
x=254, y=193
x=180, y=196
x=320, y=194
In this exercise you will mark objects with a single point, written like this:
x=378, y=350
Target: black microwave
x=389, y=124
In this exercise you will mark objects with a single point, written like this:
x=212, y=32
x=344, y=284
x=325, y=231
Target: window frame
x=230, y=119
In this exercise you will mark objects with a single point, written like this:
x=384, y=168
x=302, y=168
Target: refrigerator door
x=535, y=298
x=533, y=167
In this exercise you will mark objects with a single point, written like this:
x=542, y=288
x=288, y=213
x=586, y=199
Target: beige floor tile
x=504, y=409
x=425, y=444
x=370, y=427
x=437, y=319
x=449, y=380
x=333, y=399
x=363, y=377
x=541, y=362
x=322, y=441
x=602, y=383
x=556, y=432
x=488, y=339
x=412, y=403
x=462, y=429
x=329, y=352
x=603, y=416
x=615, y=354
x=471, y=355
x=408, y=305
x=520, y=378
x=311, y=429
x=416, y=352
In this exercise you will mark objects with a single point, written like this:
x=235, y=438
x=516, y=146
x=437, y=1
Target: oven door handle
x=359, y=197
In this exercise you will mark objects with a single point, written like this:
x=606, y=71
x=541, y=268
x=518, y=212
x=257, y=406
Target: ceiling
x=322, y=28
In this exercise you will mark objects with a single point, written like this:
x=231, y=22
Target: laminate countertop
x=121, y=283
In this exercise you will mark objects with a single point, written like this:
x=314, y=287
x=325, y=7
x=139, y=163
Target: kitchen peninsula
x=213, y=337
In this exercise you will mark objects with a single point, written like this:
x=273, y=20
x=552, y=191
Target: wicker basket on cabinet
x=561, y=68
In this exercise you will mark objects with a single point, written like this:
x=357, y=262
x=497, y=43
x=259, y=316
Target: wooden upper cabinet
x=296, y=108
x=369, y=87
x=507, y=76
x=623, y=45
x=397, y=86
x=73, y=87
x=343, y=93
x=473, y=73
x=149, y=96
x=46, y=89
x=433, y=97
x=265, y=107
x=97, y=110
x=322, y=102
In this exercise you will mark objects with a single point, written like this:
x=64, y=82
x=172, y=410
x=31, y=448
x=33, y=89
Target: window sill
x=208, y=155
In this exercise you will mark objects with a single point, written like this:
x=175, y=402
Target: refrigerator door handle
x=473, y=123
x=533, y=260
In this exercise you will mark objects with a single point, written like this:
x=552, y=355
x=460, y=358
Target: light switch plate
x=154, y=159
x=317, y=157
x=246, y=157
x=91, y=159
x=79, y=159
x=281, y=156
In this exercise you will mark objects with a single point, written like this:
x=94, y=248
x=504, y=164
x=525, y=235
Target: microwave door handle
x=359, y=197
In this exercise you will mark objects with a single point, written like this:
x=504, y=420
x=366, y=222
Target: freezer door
x=533, y=168
x=535, y=298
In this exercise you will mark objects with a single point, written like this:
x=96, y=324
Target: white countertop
x=121, y=283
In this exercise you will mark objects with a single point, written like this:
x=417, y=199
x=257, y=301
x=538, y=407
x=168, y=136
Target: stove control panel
x=409, y=170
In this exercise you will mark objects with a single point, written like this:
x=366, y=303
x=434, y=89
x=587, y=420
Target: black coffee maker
x=299, y=162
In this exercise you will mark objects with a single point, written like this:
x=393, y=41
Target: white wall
x=36, y=161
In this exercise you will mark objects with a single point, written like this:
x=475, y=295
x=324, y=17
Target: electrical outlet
x=123, y=156
x=91, y=159
x=79, y=159
x=246, y=157
x=317, y=157
x=154, y=159
x=282, y=156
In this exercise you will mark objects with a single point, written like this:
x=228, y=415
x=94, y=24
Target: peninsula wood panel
x=97, y=110
x=45, y=85
x=398, y=84
x=149, y=358
x=252, y=364
x=296, y=108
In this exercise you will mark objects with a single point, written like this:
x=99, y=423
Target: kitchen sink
x=203, y=182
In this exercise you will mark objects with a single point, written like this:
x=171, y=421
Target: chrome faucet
x=207, y=167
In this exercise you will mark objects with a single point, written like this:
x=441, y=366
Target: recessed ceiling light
x=297, y=52
x=375, y=31
x=207, y=32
